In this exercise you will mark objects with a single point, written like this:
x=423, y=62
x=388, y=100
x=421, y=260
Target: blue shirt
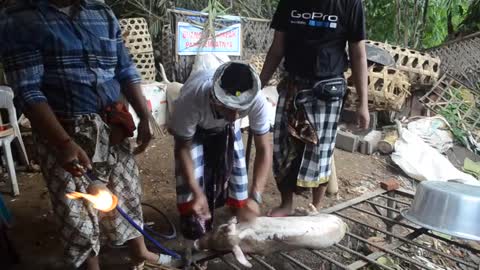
x=76, y=64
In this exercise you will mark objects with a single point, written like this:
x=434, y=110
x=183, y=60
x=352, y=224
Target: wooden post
x=332, y=187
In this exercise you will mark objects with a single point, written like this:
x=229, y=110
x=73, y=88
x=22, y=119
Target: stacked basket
x=422, y=68
x=139, y=42
x=387, y=89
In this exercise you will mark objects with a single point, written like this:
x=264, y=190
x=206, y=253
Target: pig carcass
x=267, y=235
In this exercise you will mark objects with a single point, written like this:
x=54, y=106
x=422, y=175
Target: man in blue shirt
x=67, y=65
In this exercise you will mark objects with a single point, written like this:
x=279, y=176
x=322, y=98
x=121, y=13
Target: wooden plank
x=354, y=201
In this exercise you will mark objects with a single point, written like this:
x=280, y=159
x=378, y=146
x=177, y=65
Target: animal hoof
x=310, y=211
x=232, y=220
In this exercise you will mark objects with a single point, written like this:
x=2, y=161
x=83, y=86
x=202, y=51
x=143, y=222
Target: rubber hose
x=149, y=237
x=171, y=236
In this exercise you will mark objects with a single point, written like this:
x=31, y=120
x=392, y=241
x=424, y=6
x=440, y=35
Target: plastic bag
x=208, y=62
x=422, y=162
x=435, y=131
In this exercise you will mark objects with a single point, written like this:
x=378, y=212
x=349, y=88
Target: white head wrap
x=241, y=100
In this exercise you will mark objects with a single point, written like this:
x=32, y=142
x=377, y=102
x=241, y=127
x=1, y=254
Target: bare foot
x=280, y=212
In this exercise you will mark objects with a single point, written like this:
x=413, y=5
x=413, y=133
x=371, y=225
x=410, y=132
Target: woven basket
x=139, y=42
x=136, y=36
x=422, y=68
x=145, y=63
x=387, y=89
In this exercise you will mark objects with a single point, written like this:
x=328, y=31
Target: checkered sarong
x=237, y=184
x=79, y=221
x=306, y=163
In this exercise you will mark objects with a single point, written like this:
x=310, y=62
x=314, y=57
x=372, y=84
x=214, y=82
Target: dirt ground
x=35, y=232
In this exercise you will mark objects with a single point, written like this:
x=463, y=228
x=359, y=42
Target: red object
x=117, y=114
x=235, y=203
x=5, y=127
x=185, y=208
x=390, y=185
x=149, y=105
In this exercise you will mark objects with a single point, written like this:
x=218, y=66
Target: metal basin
x=447, y=207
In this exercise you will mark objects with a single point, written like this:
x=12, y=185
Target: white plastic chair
x=6, y=102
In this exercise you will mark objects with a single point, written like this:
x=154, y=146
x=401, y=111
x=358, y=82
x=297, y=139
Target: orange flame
x=103, y=200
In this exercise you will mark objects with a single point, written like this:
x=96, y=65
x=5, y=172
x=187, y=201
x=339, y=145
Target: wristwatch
x=257, y=197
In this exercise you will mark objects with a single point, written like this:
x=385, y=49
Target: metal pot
x=447, y=207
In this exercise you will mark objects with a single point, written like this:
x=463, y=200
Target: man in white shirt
x=210, y=163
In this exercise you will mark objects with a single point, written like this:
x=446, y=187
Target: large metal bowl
x=447, y=207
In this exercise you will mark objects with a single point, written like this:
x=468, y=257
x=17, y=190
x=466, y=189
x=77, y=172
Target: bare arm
x=45, y=122
x=273, y=58
x=262, y=163
x=358, y=57
x=133, y=94
x=47, y=125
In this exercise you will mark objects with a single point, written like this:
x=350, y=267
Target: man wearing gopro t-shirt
x=312, y=37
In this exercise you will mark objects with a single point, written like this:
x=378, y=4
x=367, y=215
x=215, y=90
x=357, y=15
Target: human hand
x=363, y=117
x=143, y=136
x=200, y=207
x=249, y=212
x=70, y=156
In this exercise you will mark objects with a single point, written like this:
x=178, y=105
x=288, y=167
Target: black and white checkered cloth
x=315, y=166
x=237, y=184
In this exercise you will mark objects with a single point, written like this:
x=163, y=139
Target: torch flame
x=103, y=200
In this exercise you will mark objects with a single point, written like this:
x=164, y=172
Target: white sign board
x=227, y=41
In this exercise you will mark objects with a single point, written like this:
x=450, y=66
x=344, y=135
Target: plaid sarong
x=79, y=221
x=296, y=163
x=237, y=190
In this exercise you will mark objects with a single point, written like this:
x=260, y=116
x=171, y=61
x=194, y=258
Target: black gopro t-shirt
x=316, y=34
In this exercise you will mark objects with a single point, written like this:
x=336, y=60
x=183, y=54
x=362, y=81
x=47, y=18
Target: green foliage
x=471, y=23
x=440, y=14
x=452, y=113
x=214, y=8
x=402, y=22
